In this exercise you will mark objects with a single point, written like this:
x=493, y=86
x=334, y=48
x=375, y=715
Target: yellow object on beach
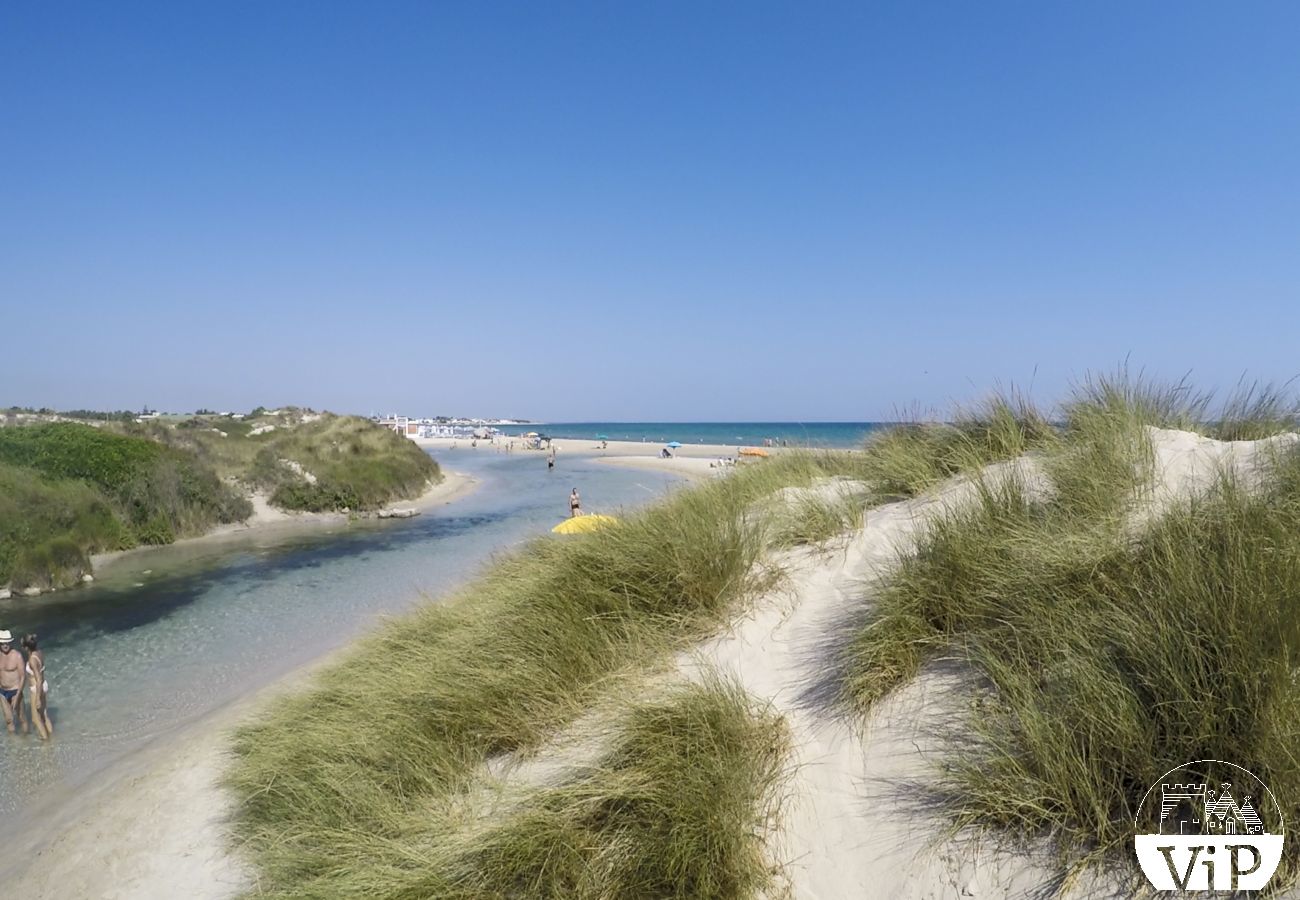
x=752, y=451
x=579, y=524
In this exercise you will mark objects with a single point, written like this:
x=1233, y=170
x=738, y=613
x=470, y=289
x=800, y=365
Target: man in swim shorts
x=12, y=675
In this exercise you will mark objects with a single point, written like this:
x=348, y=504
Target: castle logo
x=1214, y=833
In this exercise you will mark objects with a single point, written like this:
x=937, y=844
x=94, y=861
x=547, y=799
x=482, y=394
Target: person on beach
x=12, y=675
x=39, y=711
x=575, y=504
x=550, y=461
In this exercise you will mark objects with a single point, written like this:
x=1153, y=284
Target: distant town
x=411, y=426
x=445, y=426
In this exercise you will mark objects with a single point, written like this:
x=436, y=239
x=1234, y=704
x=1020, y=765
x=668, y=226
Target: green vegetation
x=355, y=464
x=905, y=460
x=73, y=490
x=813, y=514
x=68, y=490
x=678, y=807
x=1109, y=653
x=1109, y=646
x=516, y=656
x=47, y=528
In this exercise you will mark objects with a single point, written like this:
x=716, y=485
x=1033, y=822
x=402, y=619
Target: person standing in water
x=39, y=712
x=12, y=675
x=550, y=460
x=575, y=504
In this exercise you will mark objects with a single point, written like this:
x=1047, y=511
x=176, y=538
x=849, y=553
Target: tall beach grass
x=410, y=714
x=1109, y=655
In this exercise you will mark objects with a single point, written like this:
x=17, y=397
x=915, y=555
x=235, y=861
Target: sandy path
x=849, y=828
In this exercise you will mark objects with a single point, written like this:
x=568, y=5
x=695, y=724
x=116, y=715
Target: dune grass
x=677, y=806
x=1257, y=410
x=1113, y=661
x=907, y=459
x=812, y=515
x=1109, y=654
x=411, y=713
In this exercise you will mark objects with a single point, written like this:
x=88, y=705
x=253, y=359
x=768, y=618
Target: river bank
x=151, y=672
x=267, y=519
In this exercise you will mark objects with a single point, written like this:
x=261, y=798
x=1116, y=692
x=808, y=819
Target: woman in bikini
x=575, y=504
x=40, y=688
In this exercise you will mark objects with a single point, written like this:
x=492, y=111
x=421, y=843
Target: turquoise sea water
x=837, y=435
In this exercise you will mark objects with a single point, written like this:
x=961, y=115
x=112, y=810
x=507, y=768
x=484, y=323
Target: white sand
x=849, y=829
x=690, y=460
x=153, y=830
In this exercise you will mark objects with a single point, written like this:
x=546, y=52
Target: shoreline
x=266, y=519
x=124, y=837
x=119, y=833
x=690, y=461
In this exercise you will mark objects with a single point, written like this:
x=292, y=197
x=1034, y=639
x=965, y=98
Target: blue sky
x=670, y=211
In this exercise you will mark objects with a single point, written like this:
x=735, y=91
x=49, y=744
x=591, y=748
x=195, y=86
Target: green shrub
x=56, y=562
x=35, y=512
x=67, y=450
x=101, y=490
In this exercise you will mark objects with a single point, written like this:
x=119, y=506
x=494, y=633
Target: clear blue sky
x=641, y=211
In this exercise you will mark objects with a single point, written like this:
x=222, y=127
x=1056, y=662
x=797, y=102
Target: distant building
x=441, y=426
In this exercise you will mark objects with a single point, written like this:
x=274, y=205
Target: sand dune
x=852, y=827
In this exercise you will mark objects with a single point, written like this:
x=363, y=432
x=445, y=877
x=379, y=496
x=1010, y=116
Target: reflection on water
x=167, y=635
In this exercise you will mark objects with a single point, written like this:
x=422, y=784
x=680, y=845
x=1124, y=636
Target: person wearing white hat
x=12, y=675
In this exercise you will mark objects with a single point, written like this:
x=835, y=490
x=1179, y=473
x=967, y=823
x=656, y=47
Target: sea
x=823, y=435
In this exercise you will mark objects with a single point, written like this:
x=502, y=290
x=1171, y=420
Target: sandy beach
x=693, y=461
x=129, y=837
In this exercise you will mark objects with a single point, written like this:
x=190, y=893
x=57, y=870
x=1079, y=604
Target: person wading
x=39, y=712
x=12, y=675
x=575, y=504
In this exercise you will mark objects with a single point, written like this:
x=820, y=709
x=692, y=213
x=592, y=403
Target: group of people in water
x=24, y=670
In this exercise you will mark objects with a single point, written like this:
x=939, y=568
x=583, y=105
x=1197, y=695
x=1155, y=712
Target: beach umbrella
x=581, y=524
x=674, y=444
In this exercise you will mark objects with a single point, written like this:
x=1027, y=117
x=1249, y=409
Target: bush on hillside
x=95, y=490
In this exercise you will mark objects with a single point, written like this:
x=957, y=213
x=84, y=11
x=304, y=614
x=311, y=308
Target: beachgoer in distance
x=575, y=504
x=12, y=675
x=40, y=688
